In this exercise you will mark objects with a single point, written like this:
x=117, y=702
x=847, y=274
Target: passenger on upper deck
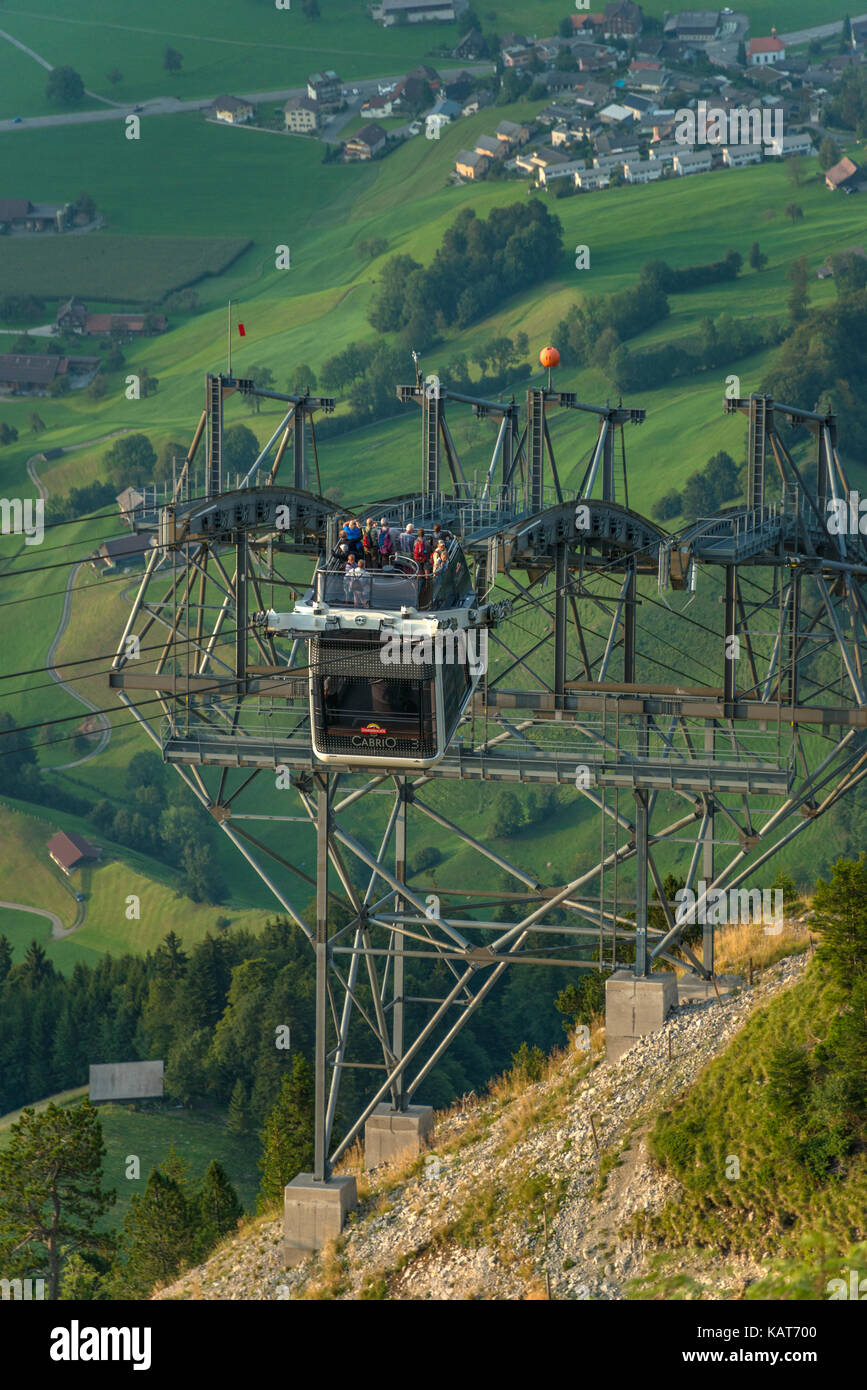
x=406, y=539
x=420, y=551
x=440, y=534
x=386, y=544
x=440, y=558
x=352, y=533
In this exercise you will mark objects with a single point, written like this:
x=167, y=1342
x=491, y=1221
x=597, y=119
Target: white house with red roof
x=766, y=52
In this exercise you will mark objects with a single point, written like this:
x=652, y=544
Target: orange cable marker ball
x=549, y=357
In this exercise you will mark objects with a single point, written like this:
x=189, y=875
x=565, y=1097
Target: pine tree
x=159, y=1233
x=238, y=1117
x=287, y=1139
x=51, y=1194
x=840, y=914
x=219, y=1207
x=5, y=957
x=788, y=1080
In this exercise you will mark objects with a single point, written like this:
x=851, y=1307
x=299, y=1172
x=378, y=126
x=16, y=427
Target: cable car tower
x=729, y=737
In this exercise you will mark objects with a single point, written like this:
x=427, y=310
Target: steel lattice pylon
x=732, y=760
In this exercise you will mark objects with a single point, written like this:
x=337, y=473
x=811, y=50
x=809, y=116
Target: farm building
x=33, y=374
x=693, y=26
x=132, y=325
x=841, y=175
x=442, y=114
x=300, y=114
x=233, y=110
x=472, y=45
x=389, y=12
x=69, y=852
x=20, y=215
x=71, y=316
x=366, y=142
x=471, y=165
x=376, y=109
x=130, y=501
x=324, y=88
x=122, y=551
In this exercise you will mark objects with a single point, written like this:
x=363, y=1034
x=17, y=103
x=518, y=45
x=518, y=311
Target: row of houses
x=22, y=215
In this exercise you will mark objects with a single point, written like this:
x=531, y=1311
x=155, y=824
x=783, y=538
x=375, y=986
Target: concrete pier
x=636, y=1005
x=314, y=1212
x=389, y=1133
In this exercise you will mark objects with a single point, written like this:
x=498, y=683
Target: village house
x=71, y=316
x=233, y=110
x=377, y=108
x=616, y=115
x=517, y=57
x=129, y=325
x=472, y=165
x=623, y=19
x=647, y=77
x=587, y=24
x=301, y=115
x=664, y=154
x=389, y=12
x=842, y=175
x=365, y=143
x=692, y=162
x=477, y=102
x=762, y=52
x=513, y=134
x=325, y=89
x=609, y=163
x=69, y=852
x=736, y=156
x=490, y=147
x=129, y=502
x=473, y=45
x=411, y=93
x=441, y=114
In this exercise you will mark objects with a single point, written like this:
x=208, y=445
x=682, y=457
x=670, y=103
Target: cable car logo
x=373, y=729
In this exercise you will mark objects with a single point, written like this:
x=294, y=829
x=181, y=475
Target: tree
x=742, y=54
x=115, y=76
x=508, y=816
x=131, y=459
x=172, y=59
x=159, y=1234
x=85, y=205
x=8, y=433
x=565, y=29
x=240, y=449
x=829, y=153
x=310, y=9
x=51, y=1194
x=667, y=506
x=37, y=424
x=5, y=957
x=796, y=170
x=798, y=273
x=64, y=86
x=219, y=1208
x=371, y=247
x=264, y=379
x=302, y=375
x=840, y=916
x=238, y=1115
x=98, y=387
x=788, y=1080
x=850, y=273
x=795, y=212
x=757, y=258
x=287, y=1139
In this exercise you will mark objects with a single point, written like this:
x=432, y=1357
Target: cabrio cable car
x=395, y=655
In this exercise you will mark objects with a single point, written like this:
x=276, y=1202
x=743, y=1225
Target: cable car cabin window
x=456, y=683
x=362, y=706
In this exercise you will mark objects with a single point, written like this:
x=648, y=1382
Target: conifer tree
x=840, y=914
x=287, y=1139
x=51, y=1194
x=219, y=1208
x=238, y=1118
x=160, y=1234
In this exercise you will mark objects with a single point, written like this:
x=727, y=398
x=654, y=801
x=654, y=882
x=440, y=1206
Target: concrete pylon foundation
x=389, y=1133
x=635, y=1005
x=314, y=1212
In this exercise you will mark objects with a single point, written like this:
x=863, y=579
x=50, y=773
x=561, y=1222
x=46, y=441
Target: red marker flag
x=242, y=330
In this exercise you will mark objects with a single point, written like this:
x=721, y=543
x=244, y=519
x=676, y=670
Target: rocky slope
x=523, y=1195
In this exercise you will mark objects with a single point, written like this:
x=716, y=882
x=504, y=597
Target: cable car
x=395, y=655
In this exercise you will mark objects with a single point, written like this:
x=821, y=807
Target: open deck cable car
x=395, y=655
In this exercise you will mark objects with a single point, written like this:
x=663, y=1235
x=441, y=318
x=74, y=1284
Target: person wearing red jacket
x=420, y=551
